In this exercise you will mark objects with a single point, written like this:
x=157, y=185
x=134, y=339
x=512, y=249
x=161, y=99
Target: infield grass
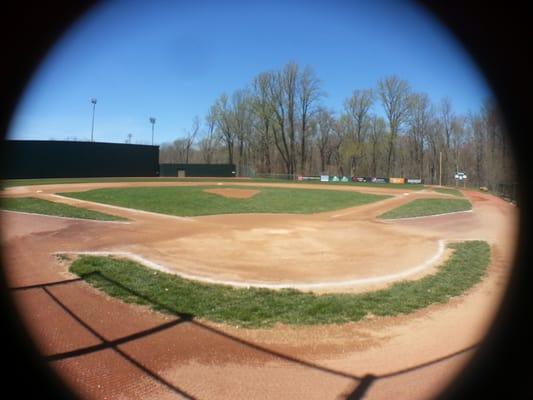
x=135, y=283
x=39, y=206
x=193, y=200
x=426, y=207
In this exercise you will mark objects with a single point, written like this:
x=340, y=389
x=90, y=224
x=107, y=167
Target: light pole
x=152, y=121
x=93, y=100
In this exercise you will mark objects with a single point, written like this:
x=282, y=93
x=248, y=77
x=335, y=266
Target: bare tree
x=458, y=140
x=324, y=123
x=222, y=114
x=377, y=134
x=479, y=141
x=308, y=96
x=190, y=137
x=357, y=108
x=447, y=116
x=241, y=121
x=418, y=120
x=209, y=141
x=277, y=124
x=394, y=93
x=263, y=110
x=282, y=97
x=435, y=140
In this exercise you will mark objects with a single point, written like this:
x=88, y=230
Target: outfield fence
x=287, y=177
x=508, y=191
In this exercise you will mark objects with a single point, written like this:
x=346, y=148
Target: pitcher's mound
x=234, y=193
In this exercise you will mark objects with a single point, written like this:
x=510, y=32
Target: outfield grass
x=192, y=200
x=39, y=206
x=134, y=283
x=425, y=207
x=453, y=192
x=58, y=181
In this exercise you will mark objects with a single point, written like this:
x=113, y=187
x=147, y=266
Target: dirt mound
x=234, y=193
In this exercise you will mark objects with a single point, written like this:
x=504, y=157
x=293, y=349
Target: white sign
x=460, y=176
x=324, y=178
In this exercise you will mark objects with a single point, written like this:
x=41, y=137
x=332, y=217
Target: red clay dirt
x=107, y=349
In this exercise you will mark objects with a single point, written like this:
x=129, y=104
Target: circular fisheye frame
x=329, y=205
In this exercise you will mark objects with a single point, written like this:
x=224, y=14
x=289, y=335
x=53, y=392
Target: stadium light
x=152, y=121
x=93, y=100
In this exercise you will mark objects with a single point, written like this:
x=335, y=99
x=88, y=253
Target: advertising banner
x=379, y=180
x=397, y=180
x=414, y=180
x=361, y=179
x=324, y=178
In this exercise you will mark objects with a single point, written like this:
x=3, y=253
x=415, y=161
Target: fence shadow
x=363, y=382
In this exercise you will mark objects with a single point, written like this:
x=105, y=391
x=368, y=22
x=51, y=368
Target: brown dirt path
x=107, y=349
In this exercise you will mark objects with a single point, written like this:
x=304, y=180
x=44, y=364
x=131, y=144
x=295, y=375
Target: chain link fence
x=508, y=191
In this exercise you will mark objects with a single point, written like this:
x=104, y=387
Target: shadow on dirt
x=363, y=382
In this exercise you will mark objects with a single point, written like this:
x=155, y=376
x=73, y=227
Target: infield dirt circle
x=410, y=357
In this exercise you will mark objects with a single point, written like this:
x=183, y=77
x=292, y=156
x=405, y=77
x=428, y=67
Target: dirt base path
x=107, y=349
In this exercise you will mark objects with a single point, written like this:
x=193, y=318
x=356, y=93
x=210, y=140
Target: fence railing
x=508, y=191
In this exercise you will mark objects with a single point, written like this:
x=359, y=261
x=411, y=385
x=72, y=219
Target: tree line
x=278, y=124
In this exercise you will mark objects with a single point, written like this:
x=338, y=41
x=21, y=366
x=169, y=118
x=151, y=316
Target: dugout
x=197, y=170
x=26, y=159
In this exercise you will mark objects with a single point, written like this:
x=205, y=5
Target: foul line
x=423, y=216
x=131, y=210
x=292, y=285
x=68, y=218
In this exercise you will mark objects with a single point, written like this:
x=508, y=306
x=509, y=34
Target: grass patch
x=192, y=200
x=425, y=207
x=39, y=206
x=453, y=192
x=134, y=283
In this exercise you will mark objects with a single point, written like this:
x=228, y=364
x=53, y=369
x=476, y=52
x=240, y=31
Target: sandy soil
x=107, y=349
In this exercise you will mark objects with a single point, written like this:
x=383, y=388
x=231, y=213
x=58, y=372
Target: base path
x=148, y=355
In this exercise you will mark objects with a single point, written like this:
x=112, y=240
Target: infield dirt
x=412, y=356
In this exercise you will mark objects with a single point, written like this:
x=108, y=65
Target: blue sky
x=172, y=59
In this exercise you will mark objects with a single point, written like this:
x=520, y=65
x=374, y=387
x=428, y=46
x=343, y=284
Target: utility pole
x=152, y=121
x=93, y=101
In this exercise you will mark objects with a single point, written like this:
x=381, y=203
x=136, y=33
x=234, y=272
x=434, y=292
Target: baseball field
x=160, y=288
